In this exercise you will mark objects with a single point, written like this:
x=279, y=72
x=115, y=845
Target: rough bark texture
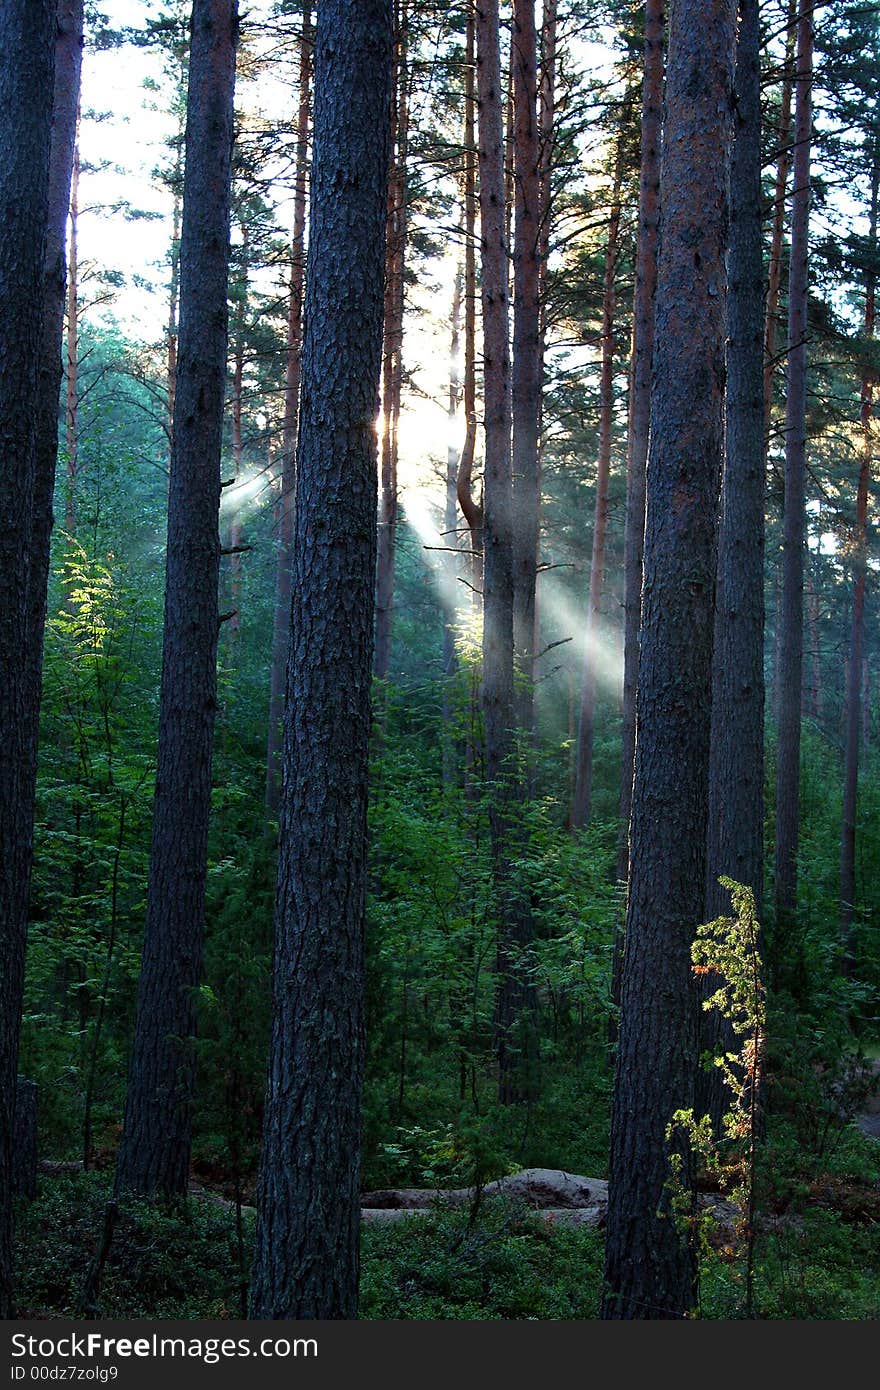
x=24, y=1173
x=510, y=912
x=650, y=1265
x=293, y=372
x=526, y=373
x=640, y=408
x=392, y=357
x=736, y=776
x=155, y=1148
x=583, y=786
x=306, y=1256
x=27, y=35
x=791, y=620
x=860, y=566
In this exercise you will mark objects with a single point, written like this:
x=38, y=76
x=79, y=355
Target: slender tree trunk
x=284, y=560
x=27, y=41
x=583, y=787
x=235, y=533
x=792, y=618
x=392, y=371
x=71, y=412
x=783, y=165
x=498, y=684
x=526, y=374
x=546, y=144
x=650, y=1267
x=450, y=525
x=155, y=1148
x=308, y=1200
x=860, y=567
x=471, y=510
x=640, y=411
x=736, y=768
x=815, y=704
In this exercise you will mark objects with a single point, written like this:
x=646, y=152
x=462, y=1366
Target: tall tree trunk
x=815, y=702
x=498, y=685
x=860, y=567
x=155, y=1147
x=792, y=617
x=71, y=411
x=234, y=535
x=526, y=374
x=640, y=410
x=783, y=165
x=546, y=146
x=650, y=1266
x=736, y=768
x=293, y=372
x=27, y=39
x=583, y=786
x=471, y=510
x=450, y=525
x=308, y=1200
x=392, y=367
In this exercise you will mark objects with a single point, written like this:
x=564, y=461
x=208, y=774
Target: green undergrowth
x=817, y=1257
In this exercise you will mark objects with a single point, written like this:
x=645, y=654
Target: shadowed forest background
x=506, y=309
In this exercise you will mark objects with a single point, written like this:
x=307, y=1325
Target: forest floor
x=869, y=1120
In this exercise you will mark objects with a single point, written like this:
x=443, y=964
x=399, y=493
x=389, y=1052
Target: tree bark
x=471, y=510
x=640, y=409
x=71, y=409
x=860, y=568
x=526, y=373
x=155, y=1147
x=308, y=1202
x=792, y=617
x=736, y=768
x=583, y=787
x=27, y=58
x=511, y=918
x=293, y=373
x=450, y=526
x=650, y=1262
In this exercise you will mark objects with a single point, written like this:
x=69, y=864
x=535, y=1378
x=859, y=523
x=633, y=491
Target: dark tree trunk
x=450, y=526
x=650, y=1261
x=392, y=366
x=860, y=566
x=293, y=371
x=308, y=1201
x=24, y=1176
x=736, y=770
x=640, y=409
x=511, y=916
x=583, y=786
x=27, y=55
x=68, y=62
x=526, y=374
x=155, y=1148
x=790, y=678
x=471, y=510
x=71, y=406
